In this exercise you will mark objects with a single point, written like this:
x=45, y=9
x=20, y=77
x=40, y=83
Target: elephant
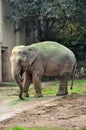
x=42, y=59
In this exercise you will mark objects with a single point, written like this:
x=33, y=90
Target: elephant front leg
x=37, y=84
x=26, y=83
x=63, y=86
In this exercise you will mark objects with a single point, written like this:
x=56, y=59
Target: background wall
x=8, y=39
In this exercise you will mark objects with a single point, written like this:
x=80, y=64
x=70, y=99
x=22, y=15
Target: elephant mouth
x=22, y=72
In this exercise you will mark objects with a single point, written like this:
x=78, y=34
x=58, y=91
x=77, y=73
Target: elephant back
x=51, y=47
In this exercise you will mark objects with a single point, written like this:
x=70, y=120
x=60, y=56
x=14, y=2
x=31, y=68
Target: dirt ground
x=50, y=111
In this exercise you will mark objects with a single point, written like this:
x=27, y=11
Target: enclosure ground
x=49, y=111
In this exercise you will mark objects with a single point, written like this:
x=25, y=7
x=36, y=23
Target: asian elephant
x=41, y=59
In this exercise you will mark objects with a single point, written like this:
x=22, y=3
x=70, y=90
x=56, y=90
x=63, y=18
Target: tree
x=79, y=19
x=63, y=21
x=48, y=17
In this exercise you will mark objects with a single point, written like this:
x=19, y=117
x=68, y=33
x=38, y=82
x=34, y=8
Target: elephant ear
x=33, y=55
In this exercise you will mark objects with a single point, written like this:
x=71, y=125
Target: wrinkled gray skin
x=38, y=60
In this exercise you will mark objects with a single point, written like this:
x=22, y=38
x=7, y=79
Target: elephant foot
x=61, y=94
x=26, y=95
x=20, y=96
x=38, y=95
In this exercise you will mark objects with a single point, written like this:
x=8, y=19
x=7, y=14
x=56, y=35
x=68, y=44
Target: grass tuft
x=38, y=128
x=17, y=128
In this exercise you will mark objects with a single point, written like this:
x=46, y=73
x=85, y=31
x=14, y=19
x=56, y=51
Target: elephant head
x=21, y=59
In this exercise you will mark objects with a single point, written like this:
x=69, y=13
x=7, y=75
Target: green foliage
x=41, y=15
x=79, y=48
x=63, y=21
x=8, y=84
x=83, y=128
x=81, y=63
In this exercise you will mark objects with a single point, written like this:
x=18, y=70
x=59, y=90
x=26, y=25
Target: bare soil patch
x=66, y=112
x=50, y=111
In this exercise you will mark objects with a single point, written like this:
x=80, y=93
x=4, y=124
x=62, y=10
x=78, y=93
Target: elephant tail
x=73, y=73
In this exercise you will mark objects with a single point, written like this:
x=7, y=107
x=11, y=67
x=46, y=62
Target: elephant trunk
x=15, y=74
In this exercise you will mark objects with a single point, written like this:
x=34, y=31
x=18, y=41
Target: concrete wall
x=0, y=40
x=0, y=22
x=8, y=39
x=0, y=66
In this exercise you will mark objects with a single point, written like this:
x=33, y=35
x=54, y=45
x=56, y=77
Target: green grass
x=78, y=87
x=50, y=90
x=45, y=128
x=16, y=100
x=41, y=128
x=8, y=83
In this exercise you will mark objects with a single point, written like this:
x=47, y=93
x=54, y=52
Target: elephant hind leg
x=26, y=83
x=37, y=84
x=63, y=90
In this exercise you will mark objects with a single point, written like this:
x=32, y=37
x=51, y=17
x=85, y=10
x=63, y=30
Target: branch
x=53, y=22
